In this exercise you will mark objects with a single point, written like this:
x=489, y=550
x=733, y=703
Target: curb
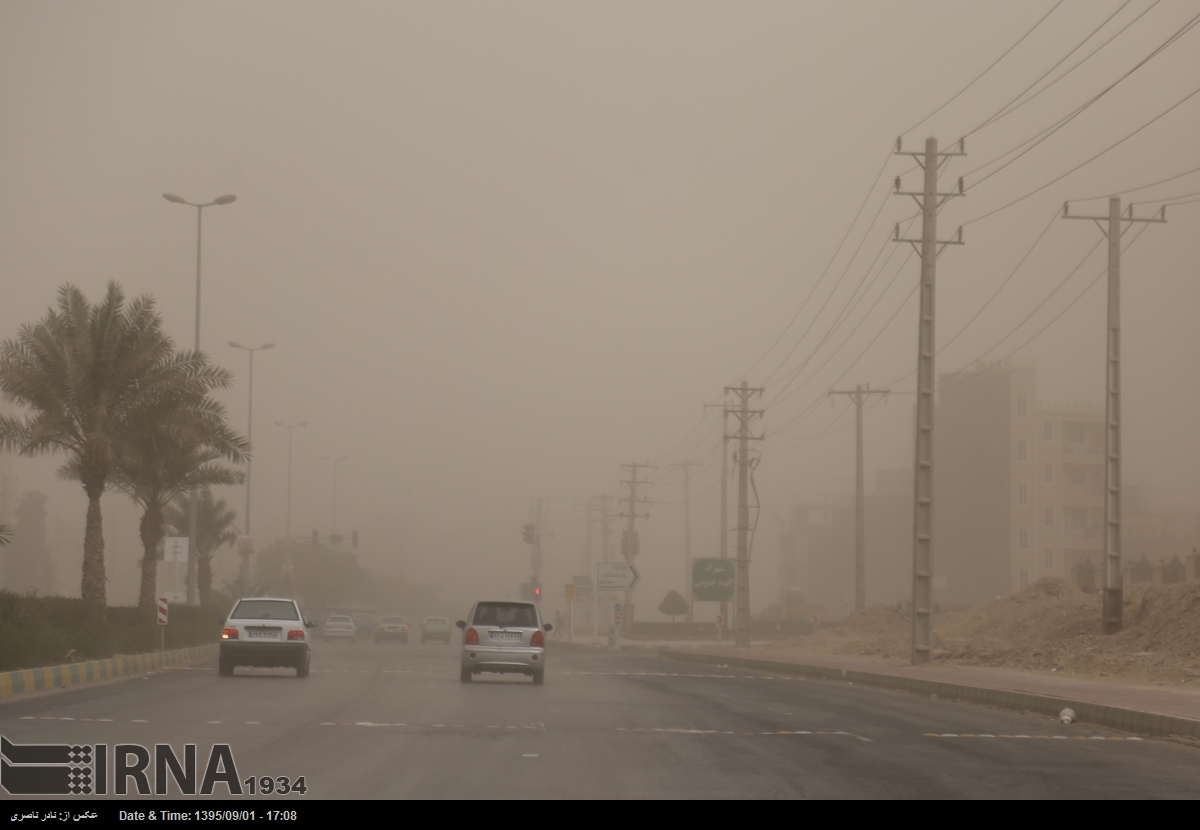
x=1114, y=717
x=23, y=681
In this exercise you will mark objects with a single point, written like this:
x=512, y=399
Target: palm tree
x=5, y=534
x=163, y=463
x=93, y=378
x=214, y=528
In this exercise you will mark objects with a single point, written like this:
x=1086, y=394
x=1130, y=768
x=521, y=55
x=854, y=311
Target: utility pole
x=536, y=561
x=723, y=544
x=860, y=549
x=929, y=200
x=687, y=467
x=1112, y=616
x=741, y=605
x=629, y=539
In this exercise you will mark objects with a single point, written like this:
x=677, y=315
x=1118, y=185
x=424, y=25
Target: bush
x=45, y=631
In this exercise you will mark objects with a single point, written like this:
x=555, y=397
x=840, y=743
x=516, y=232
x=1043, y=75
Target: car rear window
x=392, y=621
x=434, y=622
x=339, y=620
x=505, y=613
x=265, y=609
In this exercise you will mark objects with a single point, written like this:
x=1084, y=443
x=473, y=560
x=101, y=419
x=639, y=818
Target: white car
x=340, y=626
x=265, y=632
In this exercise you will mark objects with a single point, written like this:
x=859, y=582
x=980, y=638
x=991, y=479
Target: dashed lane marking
x=1035, y=737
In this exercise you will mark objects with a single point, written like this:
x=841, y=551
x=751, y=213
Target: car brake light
x=537, y=640
x=404, y=628
x=472, y=637
x=229, y=634
x=296, y=635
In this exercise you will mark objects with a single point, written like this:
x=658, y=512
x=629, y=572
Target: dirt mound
x=1049, y=626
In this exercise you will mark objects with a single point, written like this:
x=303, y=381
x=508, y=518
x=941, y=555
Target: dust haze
x=502, y=250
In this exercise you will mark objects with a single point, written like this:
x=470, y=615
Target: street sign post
x=175, y=550
x=616, y=576
x=713, y=580
x=569, y=591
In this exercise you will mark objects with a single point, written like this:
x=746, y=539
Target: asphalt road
x=393, y=721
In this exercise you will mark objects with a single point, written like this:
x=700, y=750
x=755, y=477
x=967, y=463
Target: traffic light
x=354, y=539
x=527, y=534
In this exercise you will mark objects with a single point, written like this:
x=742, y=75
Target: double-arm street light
x=249, y=437
x=336, y=461
x=289, y=428
x=179, y=200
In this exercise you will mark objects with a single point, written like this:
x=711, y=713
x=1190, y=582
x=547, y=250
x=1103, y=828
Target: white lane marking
x=28, y=717
x=214, y=721
x=852, y=735
x=529, y=755
x=253, y=723
x=329, y=724
x=141, y=721
x=66, y=718
x=105, y=720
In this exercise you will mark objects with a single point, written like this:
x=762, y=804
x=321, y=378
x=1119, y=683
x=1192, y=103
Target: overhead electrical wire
x=989, y=68
x=1136, y=189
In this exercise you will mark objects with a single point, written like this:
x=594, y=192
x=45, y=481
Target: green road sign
x=712, y=580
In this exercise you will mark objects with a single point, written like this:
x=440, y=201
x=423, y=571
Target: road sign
x=175, y=549
x=162, y=610
x=713, y=579
x=720, y=620
x=583, y=586
x=616, y=576
x=570, y=592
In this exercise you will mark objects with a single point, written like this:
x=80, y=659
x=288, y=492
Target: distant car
x=340, y=627
x=504, y=637
x=265, y=632
x=436, y=628
x=391, y=628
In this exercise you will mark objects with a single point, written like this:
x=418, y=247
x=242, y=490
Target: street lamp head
x=171, y=197
x=267, y=346
x=236, y=345
x=225, y=200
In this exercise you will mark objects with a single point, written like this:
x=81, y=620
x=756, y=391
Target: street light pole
x=245, y=569
x=289, y=428
x=333, y=523
x=220, y=200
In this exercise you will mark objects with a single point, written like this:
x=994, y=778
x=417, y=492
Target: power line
x=1083, y=164
x=1136, y=189
x=989, y=68
x=1004, y=111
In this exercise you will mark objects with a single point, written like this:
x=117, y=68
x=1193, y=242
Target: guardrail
x=23, y=681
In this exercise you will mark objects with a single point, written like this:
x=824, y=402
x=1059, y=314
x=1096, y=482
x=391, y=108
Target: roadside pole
x=162, y=623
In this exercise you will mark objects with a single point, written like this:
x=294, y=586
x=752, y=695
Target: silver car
x=505, y=637
x=265, y=631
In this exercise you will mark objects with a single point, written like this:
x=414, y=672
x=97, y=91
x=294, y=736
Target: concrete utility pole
x=723, y=543
x=629, y=539
x=741, y=603
x=929, y=201
x=536, y=560
x=860, y=548
x=687, y=467
x=1112, y=614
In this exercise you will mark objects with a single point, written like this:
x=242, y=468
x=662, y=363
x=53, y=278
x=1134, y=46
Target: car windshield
x=505, y=613
x=392, y=621
x=339, y=620
x=265, y=609
x=437, y=622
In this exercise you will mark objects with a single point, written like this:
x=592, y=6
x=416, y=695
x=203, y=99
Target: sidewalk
x=1154, y=710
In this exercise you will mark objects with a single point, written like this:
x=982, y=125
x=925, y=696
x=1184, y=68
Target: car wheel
x=224, y=668
x=539, y=678
x=465, y=676
x=302, y=667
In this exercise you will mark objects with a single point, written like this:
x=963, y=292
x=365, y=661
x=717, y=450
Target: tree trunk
x=204, y=577
x=93, y=587
x=152, y=533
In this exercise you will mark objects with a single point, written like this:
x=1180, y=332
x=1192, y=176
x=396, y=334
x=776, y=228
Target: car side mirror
x=547, y=626
x=461, y=624
x=310, y=624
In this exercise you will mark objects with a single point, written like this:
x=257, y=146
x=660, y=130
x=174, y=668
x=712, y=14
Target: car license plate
x=262, y=635
x=506, y=635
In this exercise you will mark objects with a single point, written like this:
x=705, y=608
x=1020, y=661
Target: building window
x=1023, y=537
x=1048, y=517
x=1048, y=431
x=1022, y=494
x=1048, y=564
x=1048, y=473
x=1022, y=451
x=1022, y=408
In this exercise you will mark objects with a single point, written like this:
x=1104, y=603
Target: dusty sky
x=505, y=248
